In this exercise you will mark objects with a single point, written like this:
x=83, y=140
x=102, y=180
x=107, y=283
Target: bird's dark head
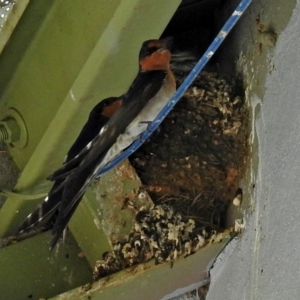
x=154, y=55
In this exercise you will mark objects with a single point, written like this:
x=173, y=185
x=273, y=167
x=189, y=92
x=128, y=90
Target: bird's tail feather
x=73, y=192
x=60, y=226
x=44, y=212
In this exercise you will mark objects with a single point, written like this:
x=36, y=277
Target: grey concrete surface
x=265, y=262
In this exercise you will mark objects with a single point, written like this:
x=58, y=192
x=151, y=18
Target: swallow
x=98, y=117
x=152, y=88
x=47, y=211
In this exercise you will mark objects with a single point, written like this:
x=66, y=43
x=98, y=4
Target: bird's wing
x=97, y=119
x=45, y=212
x=78, y=178
x=145, y=86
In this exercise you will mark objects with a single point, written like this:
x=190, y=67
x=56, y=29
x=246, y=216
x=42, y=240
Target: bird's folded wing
x=80, y=171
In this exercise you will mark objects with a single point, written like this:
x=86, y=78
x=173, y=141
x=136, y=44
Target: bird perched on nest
x=152, y=88
x=46, y=213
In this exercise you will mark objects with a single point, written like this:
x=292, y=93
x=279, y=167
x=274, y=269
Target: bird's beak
x=162, y=48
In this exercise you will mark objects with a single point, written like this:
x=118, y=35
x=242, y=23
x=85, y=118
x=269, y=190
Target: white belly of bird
x=138, y=125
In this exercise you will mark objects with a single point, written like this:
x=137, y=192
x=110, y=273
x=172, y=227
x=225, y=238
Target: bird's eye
x=151, y=50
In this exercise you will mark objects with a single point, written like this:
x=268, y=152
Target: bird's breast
x=142, y=120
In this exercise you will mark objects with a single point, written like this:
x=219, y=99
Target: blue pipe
x=184, y=86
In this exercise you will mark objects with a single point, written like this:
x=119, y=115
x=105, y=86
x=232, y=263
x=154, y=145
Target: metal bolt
x=13, y=129
x=9, y=130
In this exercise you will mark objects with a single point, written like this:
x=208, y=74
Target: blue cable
x=184, y=86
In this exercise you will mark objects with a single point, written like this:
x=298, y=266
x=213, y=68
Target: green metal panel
x=104, y=212
x=43, y=57
x=29, y=271
x=150, y=282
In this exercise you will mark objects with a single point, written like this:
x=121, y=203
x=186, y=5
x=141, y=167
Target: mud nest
x=191, y=168
x=194, y=161
x=158, y=233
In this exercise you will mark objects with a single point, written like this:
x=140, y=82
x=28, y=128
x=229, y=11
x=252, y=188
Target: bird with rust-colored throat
x=152, y=88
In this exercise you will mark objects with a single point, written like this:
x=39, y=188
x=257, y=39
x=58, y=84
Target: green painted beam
x=149, y=282
x=107, y=212
x=28, y=271
x=47, y=50
x=86, y=226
